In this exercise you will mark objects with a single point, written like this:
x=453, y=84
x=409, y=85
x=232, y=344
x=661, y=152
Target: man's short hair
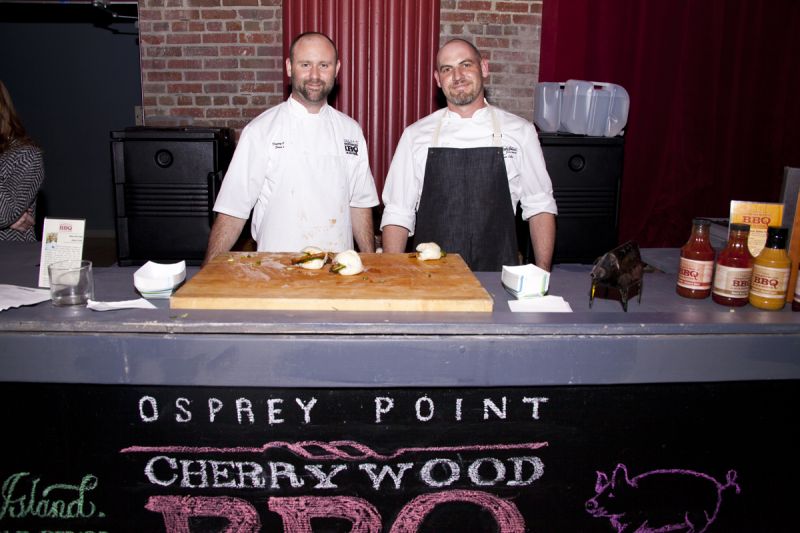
x=459, y=39
x=309, y=34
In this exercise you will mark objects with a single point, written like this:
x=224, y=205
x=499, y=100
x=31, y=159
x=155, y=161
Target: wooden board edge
x=471, y=305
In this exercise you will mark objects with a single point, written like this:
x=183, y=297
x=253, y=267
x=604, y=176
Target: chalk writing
x=244, y=458
x=177, y=510
x=505, y=513
x=166, y=471
x=347, y=450
x=283, y=410
x=298, y=512
x=659, y=500
x=425, y=408
x=148, y=409
x=21, y=498
x=440, y=473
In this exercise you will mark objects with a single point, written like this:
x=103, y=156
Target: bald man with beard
x=458, y=174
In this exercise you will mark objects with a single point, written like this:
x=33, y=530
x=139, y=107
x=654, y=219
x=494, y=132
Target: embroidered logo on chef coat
x=509, y=152
x=350, y=147
x=279, y=145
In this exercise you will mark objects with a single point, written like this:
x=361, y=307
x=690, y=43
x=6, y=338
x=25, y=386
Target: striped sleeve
x=21, y=176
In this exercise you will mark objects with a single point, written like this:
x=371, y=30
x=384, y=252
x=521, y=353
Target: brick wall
x=220, y=62
x=210, y=62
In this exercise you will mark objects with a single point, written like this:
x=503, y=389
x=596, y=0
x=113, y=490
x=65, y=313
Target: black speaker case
x=586, y=173
x=165, y=183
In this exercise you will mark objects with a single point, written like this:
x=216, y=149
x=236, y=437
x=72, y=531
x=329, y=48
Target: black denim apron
x=465, y=205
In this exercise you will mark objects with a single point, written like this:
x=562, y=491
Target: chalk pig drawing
x=659, y=500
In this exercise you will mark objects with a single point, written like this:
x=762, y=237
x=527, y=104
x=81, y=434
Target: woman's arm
x=20, y=184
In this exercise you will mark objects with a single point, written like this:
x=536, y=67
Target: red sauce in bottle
x=697, y=262
x=734, y=269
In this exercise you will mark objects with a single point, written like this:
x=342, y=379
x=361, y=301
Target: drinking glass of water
x=71, y=282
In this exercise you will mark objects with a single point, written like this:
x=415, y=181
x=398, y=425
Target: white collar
x=478, y=114
x=299, y=109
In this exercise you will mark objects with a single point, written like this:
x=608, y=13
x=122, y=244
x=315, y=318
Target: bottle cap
x=701, y=222
x=739, y=227
x=776, y=237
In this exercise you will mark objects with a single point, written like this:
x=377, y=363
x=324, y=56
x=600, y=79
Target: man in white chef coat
x=301, y=166
x=458, y=174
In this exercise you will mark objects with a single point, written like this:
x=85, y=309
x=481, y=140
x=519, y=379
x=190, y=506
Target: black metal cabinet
x=166, y=181
x=586, y=173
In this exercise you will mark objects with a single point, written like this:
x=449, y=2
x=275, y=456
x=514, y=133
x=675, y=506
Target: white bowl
x=525, y=281
x=157, y=280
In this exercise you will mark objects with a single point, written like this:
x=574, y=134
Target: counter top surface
x=665, y=338
x=661, y=310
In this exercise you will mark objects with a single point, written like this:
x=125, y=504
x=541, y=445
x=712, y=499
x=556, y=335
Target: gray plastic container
x=581, y=107
x=547, y=106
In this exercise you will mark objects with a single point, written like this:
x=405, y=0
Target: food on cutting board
x=428, y=251
x=347, y=263
x=312, y=259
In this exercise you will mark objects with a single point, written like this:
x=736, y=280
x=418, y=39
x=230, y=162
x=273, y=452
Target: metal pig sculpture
x=619, y=270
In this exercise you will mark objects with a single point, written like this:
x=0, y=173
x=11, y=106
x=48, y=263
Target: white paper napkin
x=139, y=303
x=15, y=296
x=541, y=304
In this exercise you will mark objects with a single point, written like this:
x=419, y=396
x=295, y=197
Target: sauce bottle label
x=732, y=282
x=770, y=282
x=695, y=274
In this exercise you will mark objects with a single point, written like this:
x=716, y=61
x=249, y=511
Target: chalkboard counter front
x=678, y=415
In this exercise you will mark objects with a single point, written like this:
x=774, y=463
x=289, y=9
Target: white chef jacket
x=300, y=172
x=528, y=179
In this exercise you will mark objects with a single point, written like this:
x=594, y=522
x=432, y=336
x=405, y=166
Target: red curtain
x=388, y=49
x=715, y=99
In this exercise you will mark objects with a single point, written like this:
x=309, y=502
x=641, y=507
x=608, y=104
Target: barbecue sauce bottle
x=771, y=270
x=697, y=262
x=734, y=269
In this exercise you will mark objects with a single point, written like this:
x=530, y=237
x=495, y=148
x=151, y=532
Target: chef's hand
x=25, y=221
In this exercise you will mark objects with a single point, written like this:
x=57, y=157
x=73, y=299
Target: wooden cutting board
x=390, y=282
